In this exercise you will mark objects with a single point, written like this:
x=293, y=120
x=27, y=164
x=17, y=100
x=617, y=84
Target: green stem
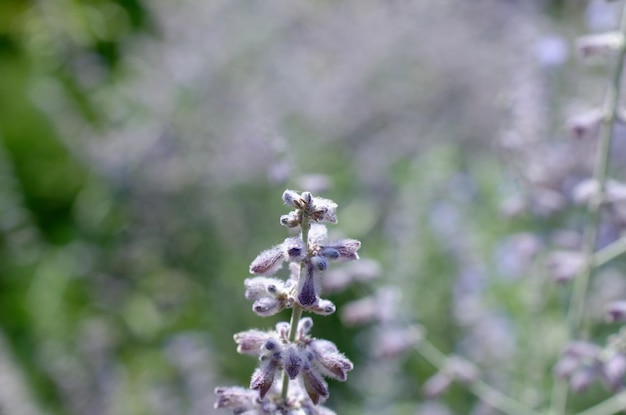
x=611, y=406
x=610, y=252
x=579, y=290
x=296, y=311
x=482, y=390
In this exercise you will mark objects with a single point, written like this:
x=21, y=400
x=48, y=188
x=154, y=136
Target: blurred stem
x=482, y=390
x=296, y=311
x=581, y=282
x=610, y=252
x=613, y=405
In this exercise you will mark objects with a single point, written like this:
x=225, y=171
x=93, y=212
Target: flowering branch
x=289, y=352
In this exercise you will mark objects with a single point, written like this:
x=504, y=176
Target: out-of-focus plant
x=580, y=258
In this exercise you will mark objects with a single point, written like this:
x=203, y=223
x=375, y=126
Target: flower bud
x=250, y=341
x=294, y=249
x=268, y=261
x=290, y=197
x=329, y=361
x=330, y=253
x=267, y=306
x=304, y=326
x=271, y=345
x=346, y=248
x=324, y=210
x=258, y=287
x=314, y=385
x=263, y=377
x=307, y=200
x=292, y=219
x=322, y=307
x=234, y=397
x=282, y=328
x=292, y=362
x=320, y=263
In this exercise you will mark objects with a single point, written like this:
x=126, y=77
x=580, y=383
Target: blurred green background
x=144, y=147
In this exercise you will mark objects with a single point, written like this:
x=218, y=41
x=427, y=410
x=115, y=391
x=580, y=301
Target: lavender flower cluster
x=289, y=379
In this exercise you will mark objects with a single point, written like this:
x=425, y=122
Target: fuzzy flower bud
x=250, y=341
x=290, y=197
x=282, y=328
x=258, y=287
x=304, y=327
x=314, y=385
x=267, y=306
x=322, y=307
x=320, y=263
x=324, y=210
x=306, y=200
x=268, y=261
x=263, y=377
x=294, y=249
x=346, y=249
x=292, y=219
x=330, y=253
x=329, y=361
x=236, y=398
x=292, y=362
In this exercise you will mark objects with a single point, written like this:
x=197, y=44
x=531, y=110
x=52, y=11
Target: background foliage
x=144, y=147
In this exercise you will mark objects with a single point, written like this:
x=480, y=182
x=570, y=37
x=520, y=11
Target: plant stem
x=296, y=311
x=613, y=405
x=576, y=308
x=610, y=252
x=482, y=390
